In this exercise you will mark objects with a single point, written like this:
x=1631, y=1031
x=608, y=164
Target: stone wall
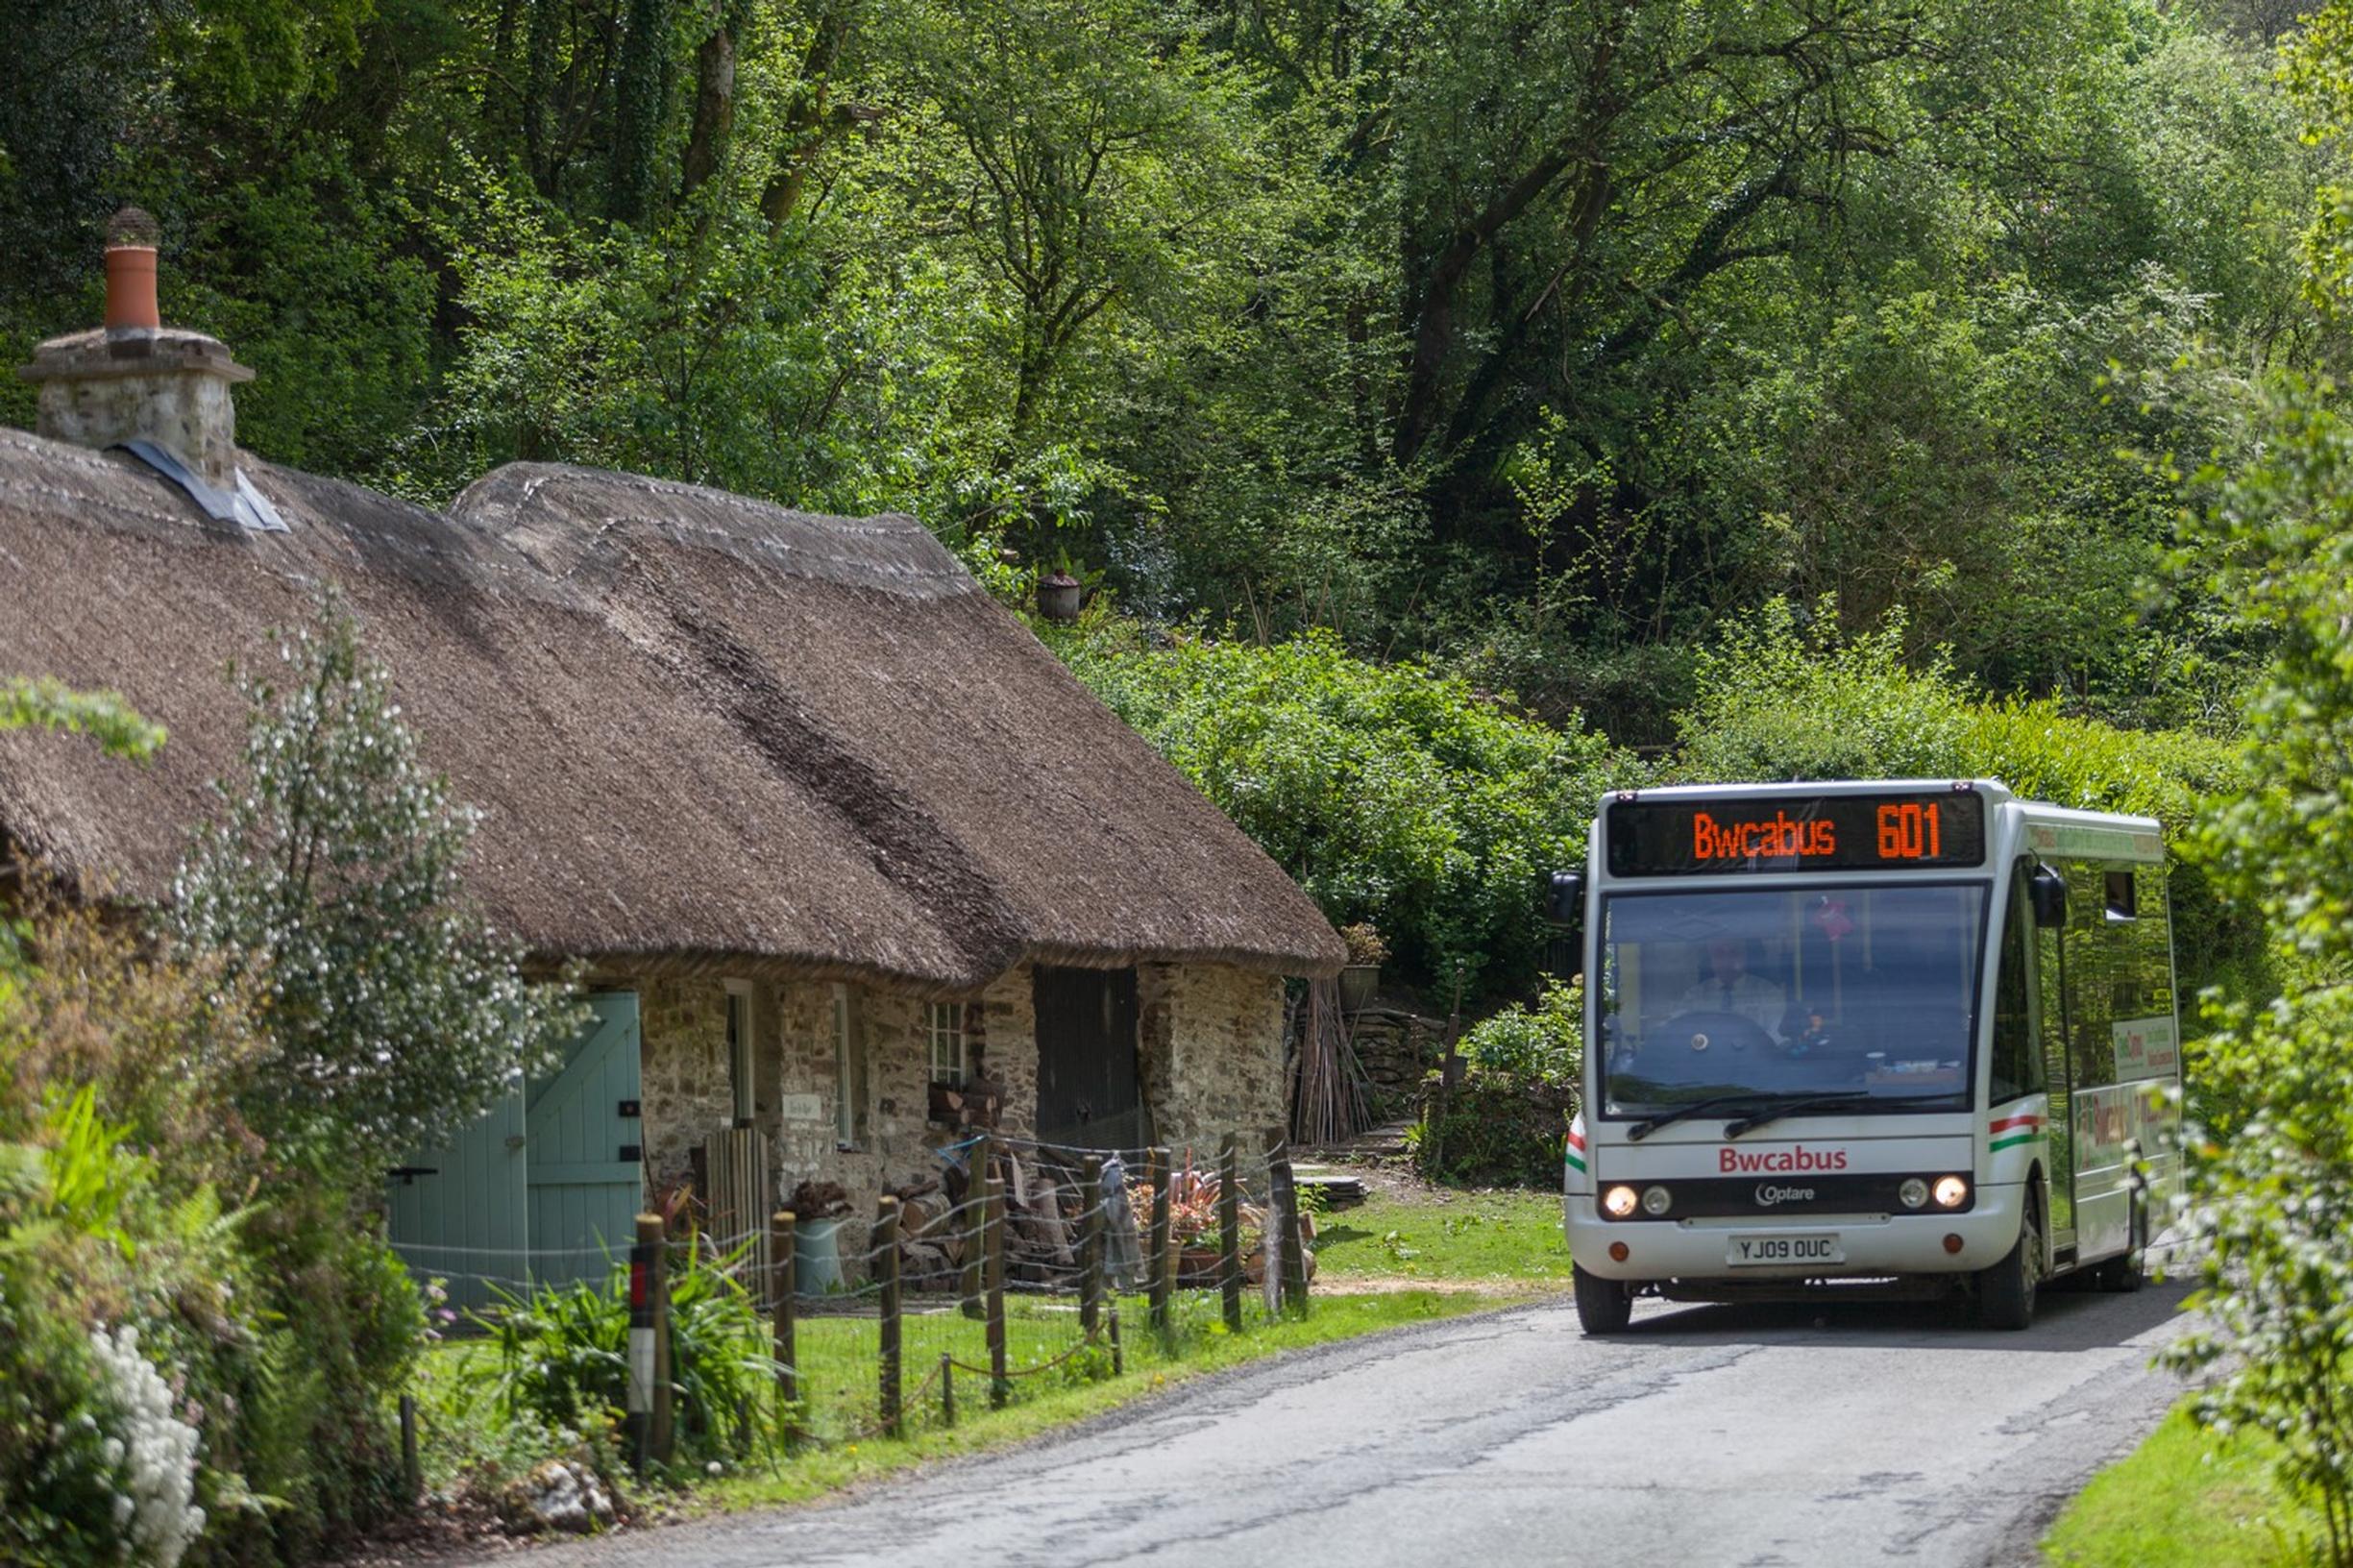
x=1396, y=1048
x=1211, y=1052
x=683, y=1092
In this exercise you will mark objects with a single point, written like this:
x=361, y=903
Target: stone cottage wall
x=683, y=1072
x=1212, y=1052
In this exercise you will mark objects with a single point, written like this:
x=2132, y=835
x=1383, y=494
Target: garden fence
x=1031, y=1266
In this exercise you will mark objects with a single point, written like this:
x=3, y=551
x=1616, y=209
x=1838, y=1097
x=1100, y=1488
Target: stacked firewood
x=1041, y=1226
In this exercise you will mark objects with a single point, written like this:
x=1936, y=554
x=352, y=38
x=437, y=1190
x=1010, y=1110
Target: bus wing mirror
x=1564, y=906
x=2049, y=891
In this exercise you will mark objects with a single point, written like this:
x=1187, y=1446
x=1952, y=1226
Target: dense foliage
x=1393, y=794
x=1530, y=336
x=1502, y=1123
x=202, y=1331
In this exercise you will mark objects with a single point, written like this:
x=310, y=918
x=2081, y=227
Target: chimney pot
x=131, y=272
x=136, y=378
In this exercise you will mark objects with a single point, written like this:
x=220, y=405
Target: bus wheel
x=2124, y=1274
x=2005, y=1291
x=1603, y=1306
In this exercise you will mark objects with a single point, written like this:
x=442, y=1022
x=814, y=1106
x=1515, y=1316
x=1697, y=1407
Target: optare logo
x=1780, y=1161
x=1767, y=1194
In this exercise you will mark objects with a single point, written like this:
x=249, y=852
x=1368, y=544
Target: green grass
x=1510, y=1239
x=1049, y=1401
x=1385, y=1263
x=2184, y=1499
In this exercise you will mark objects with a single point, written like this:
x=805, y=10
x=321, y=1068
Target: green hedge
x=1393, y=794
x=1778, y=701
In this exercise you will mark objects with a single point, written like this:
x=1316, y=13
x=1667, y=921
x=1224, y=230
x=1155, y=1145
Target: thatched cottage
x=827, y=824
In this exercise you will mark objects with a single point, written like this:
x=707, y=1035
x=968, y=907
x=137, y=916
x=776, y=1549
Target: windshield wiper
x=1791, y=1105
x=1643, y=1129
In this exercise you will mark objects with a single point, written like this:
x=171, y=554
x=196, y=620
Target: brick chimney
x=136, y=378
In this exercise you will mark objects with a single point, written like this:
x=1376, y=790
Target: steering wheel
x=1700, y=1032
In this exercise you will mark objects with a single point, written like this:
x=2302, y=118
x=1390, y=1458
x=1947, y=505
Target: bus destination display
x=1826, y=833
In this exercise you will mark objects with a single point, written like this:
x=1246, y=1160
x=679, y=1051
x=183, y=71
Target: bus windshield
x=1865, y=993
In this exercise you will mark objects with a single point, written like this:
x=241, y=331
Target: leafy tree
x=1392, y=795
x=330, y=883
x=46, y=704
x=2276, y=1191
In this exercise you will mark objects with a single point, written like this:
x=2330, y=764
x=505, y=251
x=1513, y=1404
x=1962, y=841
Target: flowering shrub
x=152, y=1453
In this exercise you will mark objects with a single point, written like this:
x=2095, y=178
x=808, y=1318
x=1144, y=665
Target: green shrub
x=1779, y=702
x=1502, y=1125
x=559, y=1359
x=1391, y=794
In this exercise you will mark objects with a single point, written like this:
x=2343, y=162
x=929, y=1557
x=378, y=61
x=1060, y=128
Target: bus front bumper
x=1863, y=1246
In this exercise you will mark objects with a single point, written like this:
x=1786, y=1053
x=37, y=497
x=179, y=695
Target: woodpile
x=930, y=1240
x=976, y=1103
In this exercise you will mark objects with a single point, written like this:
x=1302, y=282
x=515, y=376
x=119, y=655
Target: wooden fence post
x=886, y=1273
x=1000, y=1388
x=1091, y=1247
x=1157, y=1163
x=649, y=1400
x=1119, y=1362
x=412, y=1473
x=1230, y=1231
x=947, y=1389
x=974, y=1284
x=784, y=1284
x=1286, y=1212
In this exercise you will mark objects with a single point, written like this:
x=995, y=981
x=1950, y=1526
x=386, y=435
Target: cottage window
x=739, y=1052
x=849, y=1072
x=944, y=1021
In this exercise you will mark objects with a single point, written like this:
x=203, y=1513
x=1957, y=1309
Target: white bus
x=1915, y=1033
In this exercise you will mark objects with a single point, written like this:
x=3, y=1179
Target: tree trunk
x=805, y=122
x=707, y=146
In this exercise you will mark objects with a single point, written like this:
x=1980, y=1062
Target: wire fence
x=1022, y=1267
x=1028, y=1266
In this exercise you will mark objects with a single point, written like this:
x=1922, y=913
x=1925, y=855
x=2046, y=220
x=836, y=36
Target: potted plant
x=1361, y=975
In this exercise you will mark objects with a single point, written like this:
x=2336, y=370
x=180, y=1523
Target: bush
x=331, y=887
x=2276, y=1192
x=1393, y=794
x=1781, y=702
x=1503, y=1124
x=559, y=1359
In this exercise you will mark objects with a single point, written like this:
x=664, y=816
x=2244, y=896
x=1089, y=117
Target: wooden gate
x=539, y=1189
x=1088, y=1093
x=735, y=1174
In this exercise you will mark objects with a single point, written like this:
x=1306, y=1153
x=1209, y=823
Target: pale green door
x=586, y=1152
x=460, y=1213
x=541, y=1188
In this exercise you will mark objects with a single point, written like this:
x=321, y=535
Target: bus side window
x=2018, y=1064
x=2098, y=965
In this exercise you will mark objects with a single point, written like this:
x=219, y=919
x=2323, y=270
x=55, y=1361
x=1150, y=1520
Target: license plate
x=1785, y=1249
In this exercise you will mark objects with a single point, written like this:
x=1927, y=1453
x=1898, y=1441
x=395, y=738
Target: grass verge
x=1204, y=1346
x=2184, y=1499
x=1508, y=1240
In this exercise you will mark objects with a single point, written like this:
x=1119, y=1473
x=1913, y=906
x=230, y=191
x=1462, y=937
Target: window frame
x=850, y=1078
x=948, y=1023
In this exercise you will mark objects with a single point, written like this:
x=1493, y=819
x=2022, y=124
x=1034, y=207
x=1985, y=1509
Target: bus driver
x=1726, y=985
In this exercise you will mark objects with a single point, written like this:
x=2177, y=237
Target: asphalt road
x=1748, y=1435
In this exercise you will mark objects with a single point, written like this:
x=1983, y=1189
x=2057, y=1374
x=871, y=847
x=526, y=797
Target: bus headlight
x=1655, y=1201
x=1914, y=1192
x=1618, y=1203
x=1951, y=1192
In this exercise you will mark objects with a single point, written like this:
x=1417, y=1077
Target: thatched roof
x=704, y=729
